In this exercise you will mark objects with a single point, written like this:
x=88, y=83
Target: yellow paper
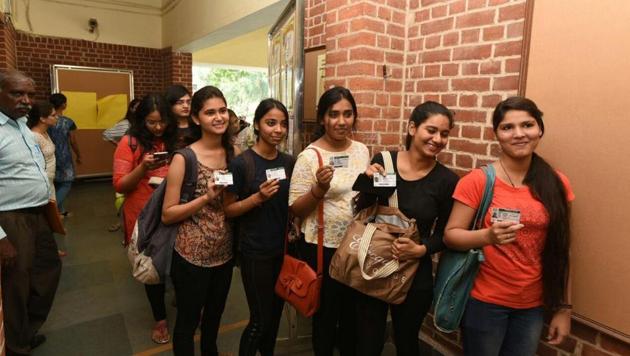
x=81, y=108
x=110, y=110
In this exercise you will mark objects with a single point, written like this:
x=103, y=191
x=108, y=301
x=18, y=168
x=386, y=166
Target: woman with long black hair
x=333, y=323
x=179, y=100
x=202, y=260
x=135, y=164
x=424, y=188
x=259, y=197
x=525, y=240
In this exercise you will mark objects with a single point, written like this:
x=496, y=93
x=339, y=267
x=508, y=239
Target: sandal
x=159, y=334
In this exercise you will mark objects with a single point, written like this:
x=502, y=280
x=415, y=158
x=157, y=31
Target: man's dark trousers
x=29, y=286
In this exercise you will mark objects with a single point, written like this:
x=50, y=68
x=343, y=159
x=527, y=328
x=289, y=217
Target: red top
x=125, y=160
x=511, y=275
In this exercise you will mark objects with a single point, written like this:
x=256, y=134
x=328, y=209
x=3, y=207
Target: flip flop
x=159, y=334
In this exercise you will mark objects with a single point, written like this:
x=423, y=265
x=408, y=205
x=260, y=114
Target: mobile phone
x=160, y=156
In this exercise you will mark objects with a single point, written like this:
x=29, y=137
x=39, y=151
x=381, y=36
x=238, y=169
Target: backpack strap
x=250, y=169
x=485, y=203
x=190, y=175
x=389, y=169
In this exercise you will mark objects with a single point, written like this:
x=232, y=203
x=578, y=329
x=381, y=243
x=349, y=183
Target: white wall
x=134, y=22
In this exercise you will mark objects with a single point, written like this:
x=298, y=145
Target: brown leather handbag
x=297, y=283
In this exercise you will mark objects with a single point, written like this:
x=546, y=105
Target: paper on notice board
x=110, y=109
x=82, y=109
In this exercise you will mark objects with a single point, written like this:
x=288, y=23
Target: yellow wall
x=136, y=23
x=249, y=50
x=192, y=20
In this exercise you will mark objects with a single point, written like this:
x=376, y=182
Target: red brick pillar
x=7, y=44
x=365, y=52
x=177, y=68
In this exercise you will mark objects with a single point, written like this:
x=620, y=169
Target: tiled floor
x=100, y=309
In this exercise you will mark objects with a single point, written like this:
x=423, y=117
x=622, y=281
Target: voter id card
x=500, y=214
x=388, y=180
x=276, y=173
x=221, y=178
x=339, y=161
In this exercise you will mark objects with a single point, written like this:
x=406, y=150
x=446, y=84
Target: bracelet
x=565, y=306
x=315, y=196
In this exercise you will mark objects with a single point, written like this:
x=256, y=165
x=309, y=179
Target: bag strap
x=364, y=245
x=189, y=184
x=250, y=169
x=389, y=169
x=320, y=222
x=485, y=202
x=320, y=225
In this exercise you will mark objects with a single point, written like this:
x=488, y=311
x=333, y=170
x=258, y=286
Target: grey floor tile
x=104, y=336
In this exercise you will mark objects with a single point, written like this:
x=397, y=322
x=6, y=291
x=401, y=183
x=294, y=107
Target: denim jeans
x=62, y=190
x=490, y=329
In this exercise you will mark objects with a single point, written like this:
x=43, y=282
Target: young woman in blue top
x=261, y=201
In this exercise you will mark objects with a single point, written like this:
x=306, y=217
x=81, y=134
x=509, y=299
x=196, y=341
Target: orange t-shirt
x=511, y=274
x=125, y=161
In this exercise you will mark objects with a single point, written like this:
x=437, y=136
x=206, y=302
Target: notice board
x=578, y=74
x=97, y=99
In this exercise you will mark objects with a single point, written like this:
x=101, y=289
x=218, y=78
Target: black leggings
x=265, y=307
x=155, y=294
x=406, y=319
x=197, y=289
x=334, y=322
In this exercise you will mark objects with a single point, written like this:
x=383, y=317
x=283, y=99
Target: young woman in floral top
x=202, y=260
x=310, y=185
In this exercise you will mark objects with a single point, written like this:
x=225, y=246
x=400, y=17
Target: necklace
x=506, y=173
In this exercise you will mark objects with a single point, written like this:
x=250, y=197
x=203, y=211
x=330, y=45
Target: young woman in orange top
x=526, y=263
x=134, y=165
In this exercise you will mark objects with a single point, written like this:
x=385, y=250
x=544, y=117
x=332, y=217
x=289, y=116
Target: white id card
x=388, y=180
x=339, y=161
x=500, y=214
x=223, y=178
x=276, y=173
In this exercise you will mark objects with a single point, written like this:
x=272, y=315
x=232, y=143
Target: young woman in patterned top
x=202, y=260
x=310, y=185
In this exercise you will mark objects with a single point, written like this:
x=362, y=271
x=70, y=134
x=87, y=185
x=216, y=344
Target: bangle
x=565, y=306
x=315, y=196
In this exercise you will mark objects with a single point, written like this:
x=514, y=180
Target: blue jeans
x=490, y=329
x=62, y=188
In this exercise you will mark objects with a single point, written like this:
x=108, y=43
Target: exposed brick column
x=177, y=68
x=314, y=23
x=365, y=46
x=7, y=44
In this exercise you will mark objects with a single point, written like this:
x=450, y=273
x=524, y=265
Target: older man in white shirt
x=30, y=263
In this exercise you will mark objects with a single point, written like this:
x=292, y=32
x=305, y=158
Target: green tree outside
x=243, y=89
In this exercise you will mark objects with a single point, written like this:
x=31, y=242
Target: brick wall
x=153, y=69
x=365, y=46
x=7, y=44
x=465, y=54
x=314, y=23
